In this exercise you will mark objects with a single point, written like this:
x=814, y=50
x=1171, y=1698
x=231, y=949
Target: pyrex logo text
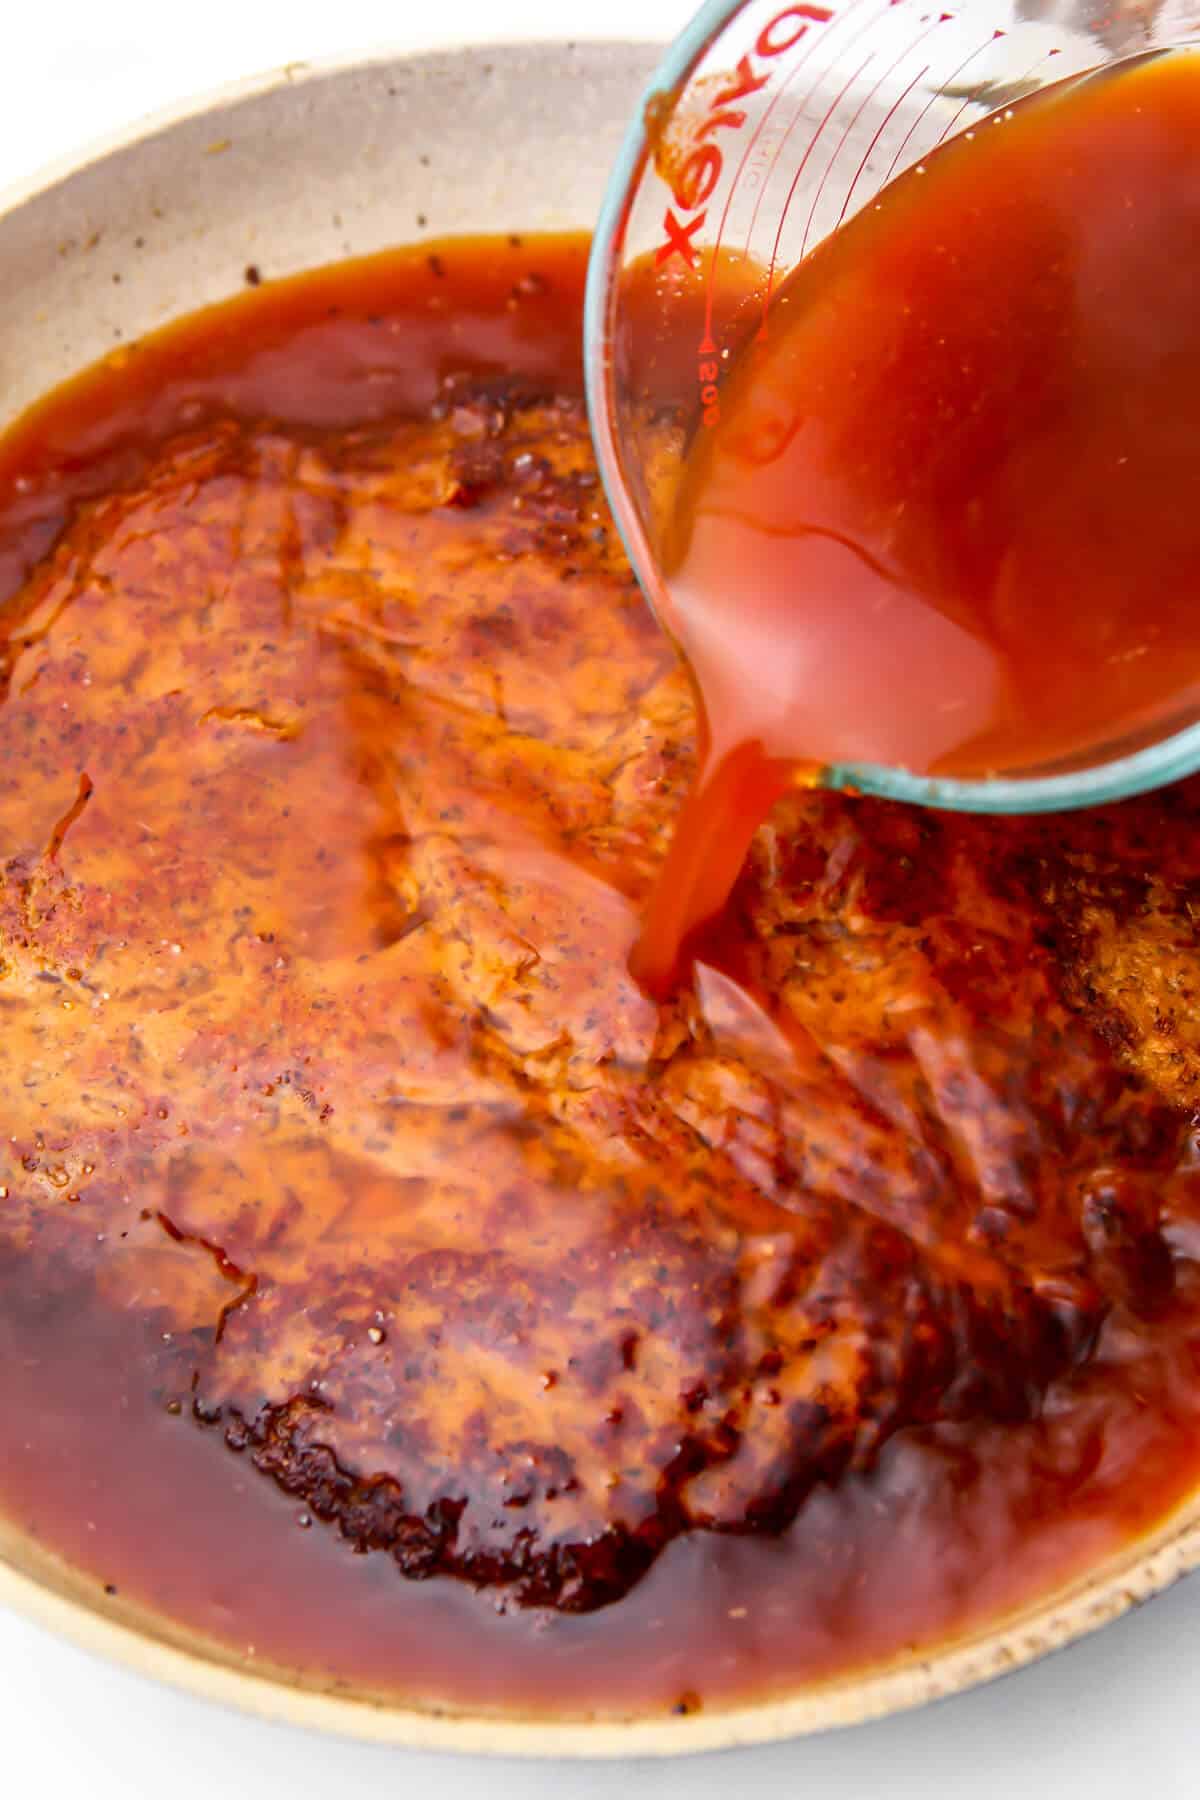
x=697, y=176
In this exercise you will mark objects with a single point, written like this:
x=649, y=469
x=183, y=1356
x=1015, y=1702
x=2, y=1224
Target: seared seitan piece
x=333, y=772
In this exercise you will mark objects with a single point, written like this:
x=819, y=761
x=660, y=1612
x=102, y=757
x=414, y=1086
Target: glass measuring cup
x=765, y=127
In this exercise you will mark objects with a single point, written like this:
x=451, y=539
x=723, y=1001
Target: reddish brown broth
x=946, y=521
x=918, y=1136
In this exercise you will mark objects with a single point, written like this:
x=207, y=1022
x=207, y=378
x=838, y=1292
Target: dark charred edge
x=371, y=1514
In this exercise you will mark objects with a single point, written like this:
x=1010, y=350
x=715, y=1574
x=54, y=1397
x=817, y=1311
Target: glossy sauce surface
x=947, y=519
x=390, y=1290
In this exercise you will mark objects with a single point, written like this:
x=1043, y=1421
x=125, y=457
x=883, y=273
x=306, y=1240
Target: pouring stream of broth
x=949, y=518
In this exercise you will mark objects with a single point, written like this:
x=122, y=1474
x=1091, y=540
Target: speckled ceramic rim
x=1118, y=779
x=44, y=1587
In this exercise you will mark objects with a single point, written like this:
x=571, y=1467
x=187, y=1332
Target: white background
x=1116, y=1716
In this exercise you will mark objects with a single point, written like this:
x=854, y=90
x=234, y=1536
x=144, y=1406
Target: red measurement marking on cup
x=698, y=175
x=707, y=344
x=970, y=99
x=942, y=19
x=888, y=116
x=836, y=152
x=791, y=193
x=844, y=138
x=1020, y=82
x=838, y=52
x=933, y=99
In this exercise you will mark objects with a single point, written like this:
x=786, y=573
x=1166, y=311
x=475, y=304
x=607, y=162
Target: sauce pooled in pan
x=390, y=1289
